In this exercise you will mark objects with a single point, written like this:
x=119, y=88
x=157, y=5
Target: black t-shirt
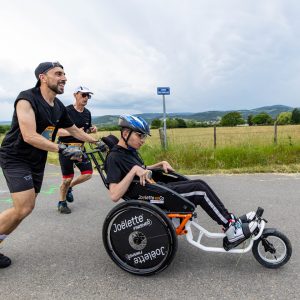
x=119, y=162
x=48, y=120
x=80, y=119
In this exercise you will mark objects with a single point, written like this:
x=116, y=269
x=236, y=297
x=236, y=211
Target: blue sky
x=215, y=55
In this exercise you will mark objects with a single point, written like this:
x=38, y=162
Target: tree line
x=284, y=118
x=234, y=119
x=4, y=128
x=230, y=119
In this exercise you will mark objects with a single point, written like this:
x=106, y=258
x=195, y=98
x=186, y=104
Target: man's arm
x=93, y=129
x=27, y=123
x=65, y=132
x=80, y=134
x=117, y=190
x=163, y=165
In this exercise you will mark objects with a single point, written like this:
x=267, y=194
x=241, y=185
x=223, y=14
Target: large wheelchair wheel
x=273, y=249
x=139, y=237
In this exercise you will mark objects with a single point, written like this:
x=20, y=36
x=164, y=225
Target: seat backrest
x=99, y=154
x=110, y=141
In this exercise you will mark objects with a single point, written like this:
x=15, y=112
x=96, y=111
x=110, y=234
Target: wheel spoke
x=272, y=250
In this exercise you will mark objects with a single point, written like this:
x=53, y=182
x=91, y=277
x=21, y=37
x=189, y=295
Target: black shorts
x=67, y=166
x=21, y=176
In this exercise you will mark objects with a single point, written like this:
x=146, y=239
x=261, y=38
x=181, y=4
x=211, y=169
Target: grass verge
x=190, y=159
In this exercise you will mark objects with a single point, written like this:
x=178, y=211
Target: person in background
x=81, y=117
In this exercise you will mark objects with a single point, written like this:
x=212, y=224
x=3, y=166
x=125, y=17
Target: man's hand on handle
x=73, y=153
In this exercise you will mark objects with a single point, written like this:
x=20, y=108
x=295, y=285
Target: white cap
x=83, y=89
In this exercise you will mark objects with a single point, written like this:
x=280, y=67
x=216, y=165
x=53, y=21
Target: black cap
x=43, y=68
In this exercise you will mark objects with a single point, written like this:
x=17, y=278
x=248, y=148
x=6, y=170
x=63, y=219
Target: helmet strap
x=126, y=139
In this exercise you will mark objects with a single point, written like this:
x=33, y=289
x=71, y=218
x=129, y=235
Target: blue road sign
x=163, y=91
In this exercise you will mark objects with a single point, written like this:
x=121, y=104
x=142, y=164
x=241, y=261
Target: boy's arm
x=163, y=165
x=117, y=190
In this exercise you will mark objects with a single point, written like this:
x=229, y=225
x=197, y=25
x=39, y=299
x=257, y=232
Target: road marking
x=50, y=190
x=8, y=200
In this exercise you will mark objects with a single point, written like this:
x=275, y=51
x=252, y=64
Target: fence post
x=215, y=136
x=162, y=138
x=275, y=132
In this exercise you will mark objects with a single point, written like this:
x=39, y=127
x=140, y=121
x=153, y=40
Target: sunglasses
x=83, y=95
x=142, y=136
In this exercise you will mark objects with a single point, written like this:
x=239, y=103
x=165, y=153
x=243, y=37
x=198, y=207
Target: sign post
x=164, y=91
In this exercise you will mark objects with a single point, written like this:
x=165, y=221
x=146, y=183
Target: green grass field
x=239, y=149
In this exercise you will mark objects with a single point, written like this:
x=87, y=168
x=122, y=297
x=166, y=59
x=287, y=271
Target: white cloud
x=213, y=54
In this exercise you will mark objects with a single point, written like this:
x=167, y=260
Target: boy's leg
x=200, y=193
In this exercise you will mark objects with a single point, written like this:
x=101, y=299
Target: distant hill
x=214, y=115
x=273, y=111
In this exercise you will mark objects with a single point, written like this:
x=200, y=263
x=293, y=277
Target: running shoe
x=237, y=232
x=248, y=217
x=4, y=261
x=63, y=207
x=69, y=196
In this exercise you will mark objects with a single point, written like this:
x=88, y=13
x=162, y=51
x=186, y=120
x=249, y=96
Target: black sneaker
x=63, y=207
x=4, y=261
x=69, y=196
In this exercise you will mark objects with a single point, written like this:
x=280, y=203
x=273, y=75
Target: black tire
x=139, y=237
x=273, y=249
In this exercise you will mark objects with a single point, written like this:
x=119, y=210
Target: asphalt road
x=62, y=256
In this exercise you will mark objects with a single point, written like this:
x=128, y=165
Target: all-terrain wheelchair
x=140, y=234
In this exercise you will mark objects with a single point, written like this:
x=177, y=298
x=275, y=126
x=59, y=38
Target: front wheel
x=273, y=249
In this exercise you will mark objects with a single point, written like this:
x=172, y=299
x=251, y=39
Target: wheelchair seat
x=156, y=193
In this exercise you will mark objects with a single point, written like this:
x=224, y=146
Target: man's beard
x=55, y=88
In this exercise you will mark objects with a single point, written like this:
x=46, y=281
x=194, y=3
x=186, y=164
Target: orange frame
x=184, y=219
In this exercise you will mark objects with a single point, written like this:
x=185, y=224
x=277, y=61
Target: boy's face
x=136, y=139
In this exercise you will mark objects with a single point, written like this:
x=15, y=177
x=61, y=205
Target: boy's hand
x=166, y=167
x=143, y=175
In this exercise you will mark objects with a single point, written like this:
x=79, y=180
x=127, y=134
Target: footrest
x=259, y=212
x=228, y=246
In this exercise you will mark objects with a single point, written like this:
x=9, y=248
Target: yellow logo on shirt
x=48, y=132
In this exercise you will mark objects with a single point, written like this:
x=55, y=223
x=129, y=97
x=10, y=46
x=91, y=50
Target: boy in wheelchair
x=123, y=165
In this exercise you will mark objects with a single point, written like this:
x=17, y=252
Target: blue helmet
x=134, y=123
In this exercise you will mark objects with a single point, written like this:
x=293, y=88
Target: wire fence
x=227, y=136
